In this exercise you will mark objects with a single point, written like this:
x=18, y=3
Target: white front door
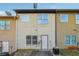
x=44, y=44
x=5, y=46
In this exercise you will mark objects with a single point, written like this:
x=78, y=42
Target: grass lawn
x=67, y=52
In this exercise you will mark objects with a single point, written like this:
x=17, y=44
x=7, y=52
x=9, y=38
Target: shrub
x=72, y=47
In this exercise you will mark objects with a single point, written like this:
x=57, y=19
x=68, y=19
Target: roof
x=7, y=13
x=67, y=10
x=47, y=10
x=35, y=11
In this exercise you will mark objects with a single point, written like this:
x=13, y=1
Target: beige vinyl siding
x=64, y=29
x=9, y=35
x=32, y=28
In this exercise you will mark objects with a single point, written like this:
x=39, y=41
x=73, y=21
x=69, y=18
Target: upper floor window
x=24, y=18
x=42, y=19
x=8, y=25
x=63, y=17
x=77, y=18
x=4, y=25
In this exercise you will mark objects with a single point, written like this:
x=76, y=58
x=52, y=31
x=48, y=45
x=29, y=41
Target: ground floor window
x=28, y=39
x=34, y=39
x=67, y=41
x=73, y=40
x=70, y=40
x=31, y=39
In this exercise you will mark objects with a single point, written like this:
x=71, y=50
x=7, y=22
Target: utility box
x=5, y=47
x=56, y=50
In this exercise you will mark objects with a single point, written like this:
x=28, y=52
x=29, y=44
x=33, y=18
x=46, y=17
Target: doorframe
x=47, y=42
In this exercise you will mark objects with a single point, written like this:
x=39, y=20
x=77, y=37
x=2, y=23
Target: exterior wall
x=32, y=28
x=66, y=28
x=9, y=35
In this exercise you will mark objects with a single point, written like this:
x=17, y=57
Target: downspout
x=17, y=17
x=56, y=28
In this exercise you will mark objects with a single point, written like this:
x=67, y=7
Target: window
x=31, y=39
x=63, y=18
x=24, y=18
x=42, y=19
x=77, y=18
x=28, y=39
x=67, y=42
x=34, y=39
x=70, y=40
x=4, y=25
x=7, y=25
x=73, y=40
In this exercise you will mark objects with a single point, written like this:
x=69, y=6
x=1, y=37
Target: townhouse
x=7, y=32
x=36, y=29
x=40, y=29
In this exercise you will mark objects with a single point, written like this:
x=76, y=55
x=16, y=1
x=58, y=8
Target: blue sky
x=10, y=6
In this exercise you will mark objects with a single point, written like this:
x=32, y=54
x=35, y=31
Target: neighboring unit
x=67, y=22
x=7, y=32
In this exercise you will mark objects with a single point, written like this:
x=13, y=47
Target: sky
x=11, y=6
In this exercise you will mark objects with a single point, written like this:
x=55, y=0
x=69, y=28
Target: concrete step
x=41, y=53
